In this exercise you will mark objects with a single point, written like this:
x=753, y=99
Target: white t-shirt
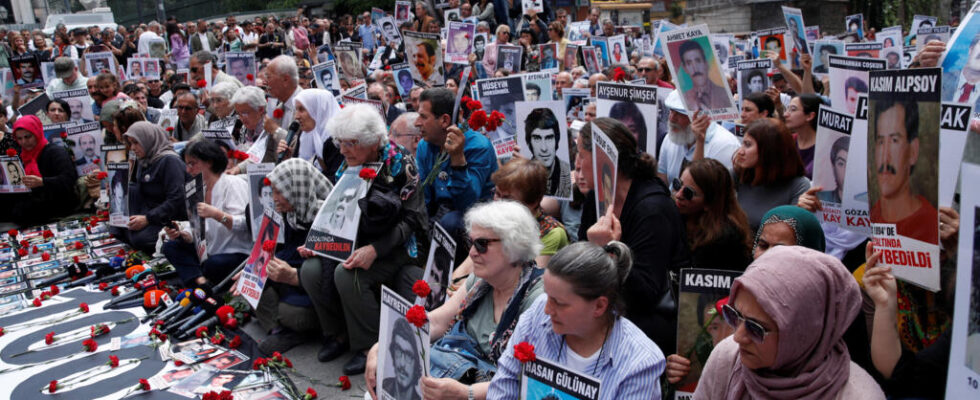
x=719, y=144
x=580, y=364
x=143, y=46
x=230, y=195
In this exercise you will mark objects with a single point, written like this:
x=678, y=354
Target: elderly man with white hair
x=267, y=139
x=282, y=81
x=152, y=34
x=405, y=133
x=391, y=226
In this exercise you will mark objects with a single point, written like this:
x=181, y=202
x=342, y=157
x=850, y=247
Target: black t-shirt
x=271, y=51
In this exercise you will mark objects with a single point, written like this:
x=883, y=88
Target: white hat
x=674, y=103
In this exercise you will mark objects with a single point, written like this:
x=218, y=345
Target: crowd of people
x=813, y=315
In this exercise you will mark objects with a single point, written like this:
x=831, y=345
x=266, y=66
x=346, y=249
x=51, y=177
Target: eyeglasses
x=733, y=317
x=645, y=69
x=346, y=142
x=194, y=69
x=686, y=193
x=480, y=244
x=185, y=108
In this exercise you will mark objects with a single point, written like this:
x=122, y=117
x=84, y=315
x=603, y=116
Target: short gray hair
x=513, y=223
x=285, y=65
x=406, y=119
x=250, y=96
x=203, y=57
x=360, y=122
x=224, y=90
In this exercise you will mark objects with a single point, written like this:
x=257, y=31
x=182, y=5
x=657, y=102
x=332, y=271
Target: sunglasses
x=644, y=69
x=733, y=317
x=686, y=193
x=480, y=244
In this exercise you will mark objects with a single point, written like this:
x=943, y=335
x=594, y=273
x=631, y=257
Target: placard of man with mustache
x=704, y=93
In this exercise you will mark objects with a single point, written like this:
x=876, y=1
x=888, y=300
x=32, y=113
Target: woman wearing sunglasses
x=490, y=51
x=579, y=325
x=717, y=229
x=768, y=170
x=471, y=330
x=641, y=202
x=789, y=310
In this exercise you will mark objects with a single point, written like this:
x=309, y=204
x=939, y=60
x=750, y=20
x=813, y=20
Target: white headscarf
x=322, y=106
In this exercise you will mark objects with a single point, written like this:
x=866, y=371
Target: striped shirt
x=630, y=364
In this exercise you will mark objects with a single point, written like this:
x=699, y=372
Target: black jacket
x=57, y=197
x=654, y=231
x=158, y=191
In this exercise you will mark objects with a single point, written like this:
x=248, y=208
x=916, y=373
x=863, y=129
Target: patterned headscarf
x=303, y=186
x=812, y=298
x=805, y=226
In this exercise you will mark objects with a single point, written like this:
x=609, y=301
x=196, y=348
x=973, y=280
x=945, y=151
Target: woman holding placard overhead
x=641, y=201
x=48, y=172
x=393, y=223
x=579, y=326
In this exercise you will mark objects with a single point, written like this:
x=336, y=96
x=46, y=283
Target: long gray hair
x=595, y=271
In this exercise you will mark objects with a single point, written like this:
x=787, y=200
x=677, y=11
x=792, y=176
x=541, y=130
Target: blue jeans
x=215, y=268
x=456, y=355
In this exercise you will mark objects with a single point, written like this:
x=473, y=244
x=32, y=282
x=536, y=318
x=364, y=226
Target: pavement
x=305, y=362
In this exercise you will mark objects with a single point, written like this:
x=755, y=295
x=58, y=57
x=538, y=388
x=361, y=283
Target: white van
x=101, y=17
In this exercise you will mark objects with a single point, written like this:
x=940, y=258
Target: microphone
x=102, y=271
x=75, y=270
x=220, y=315
x=224, y=284
x=176, y=304
x=134, y=270
x=153, y=298
x=291, y=132
x=195, y=297
x=179, y=313
x=210, y=307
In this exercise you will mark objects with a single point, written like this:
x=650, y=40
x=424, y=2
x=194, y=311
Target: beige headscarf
x=154, y=141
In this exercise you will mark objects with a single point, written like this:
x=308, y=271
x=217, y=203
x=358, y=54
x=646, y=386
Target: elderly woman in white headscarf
x=314, y=109
x=298, y=191
x=392, y=224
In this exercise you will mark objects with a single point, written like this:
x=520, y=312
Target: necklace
x=601, y=349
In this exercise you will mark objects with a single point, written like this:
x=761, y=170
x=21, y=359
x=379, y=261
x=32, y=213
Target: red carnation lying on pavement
x=83, y=307
x=55, y=290
x=49, y=338
x=178, y=363
x=114, y=291
x=22, y=252
x=212, y=395
x=13, y=233
x=103, y=286
x=1, y=331
x=235, y=342
x=201, y=83
x=201, y=332
x=259, y=363
x=53, y=386
x=144, y=384
x=47, y=234
x=90, y=345
x=524, y=352
x=46, y=256
x=37, y=302
x=344, y=382
x=269, y=245
x=217, y=339
x=310, y=394
x=113, y=361
x=79, y=245
x=11, y=153
x=421, y=288
x=231, y=323
x=416, y=316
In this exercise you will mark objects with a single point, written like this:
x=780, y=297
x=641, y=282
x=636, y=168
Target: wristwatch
x=224, y=219
x=470, y=395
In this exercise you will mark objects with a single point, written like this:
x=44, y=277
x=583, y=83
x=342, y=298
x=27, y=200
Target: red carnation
x=721, y=303
x=259, y=363
x=79, y=245
x=368, y=173
x=278, y=113
x=99, y=330
x=113, y=361
x=64, y=135
x=144, y=384
x=474, y=105
x=478, y=120
x=170, y=129
x=344, y=382
x=11, y=153
x=524, y=352
x=310, y=394
x=231, y=323
x=201, y=83
x=121, y=253
x=83, y=307
x=22, y=252
x=266, y=182
x=47, y=234
x=103, y=286
x=201, y=332
x=276, y=356
x=235, y=342
x=34, y=250
x=97, y=161
x=178, y=363
x=619, y=75
x=1, y=331
x=114, y=291
x=217, y=339
x=416, y=316
x=13, y=233
x=37, y=302
x=46, y=256
x=224, y=312
x=23, y=243
x=465, y=99
x=90, y=345
x=55, y=290
x=249, y=76
x=49, y=338
x=53, y=386
x=269, y=245
x=421, y=288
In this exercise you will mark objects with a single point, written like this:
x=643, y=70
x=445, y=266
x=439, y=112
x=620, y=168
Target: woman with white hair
x=264, y=139
x=315, y=108
x=393, y=221
x=222, y=113
x=472, y=329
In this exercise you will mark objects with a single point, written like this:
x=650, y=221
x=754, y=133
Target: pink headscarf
x=813, y=299
x=33, y=125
